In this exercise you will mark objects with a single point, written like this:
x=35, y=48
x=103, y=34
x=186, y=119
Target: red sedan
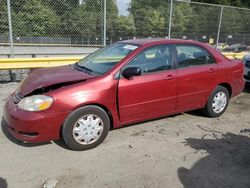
x=127, y=82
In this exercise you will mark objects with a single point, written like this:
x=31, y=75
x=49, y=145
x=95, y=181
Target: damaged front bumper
x=32, y=126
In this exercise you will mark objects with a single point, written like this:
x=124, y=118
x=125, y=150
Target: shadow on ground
x=198, y=113
x=62, y=144
x=3, y=183
x=227, y=163
x=16, y=141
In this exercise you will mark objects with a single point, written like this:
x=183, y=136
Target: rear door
x=154, y=92
x=197, y=74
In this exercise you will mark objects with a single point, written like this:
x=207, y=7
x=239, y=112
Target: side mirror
x=129, y=72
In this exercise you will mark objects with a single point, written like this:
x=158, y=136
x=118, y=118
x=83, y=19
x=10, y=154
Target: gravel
x=186, y=150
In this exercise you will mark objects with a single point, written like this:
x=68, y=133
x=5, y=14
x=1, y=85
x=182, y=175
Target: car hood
x=46, y=77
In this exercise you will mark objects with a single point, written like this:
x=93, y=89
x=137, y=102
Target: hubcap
x=88, y=129
x=219, y=102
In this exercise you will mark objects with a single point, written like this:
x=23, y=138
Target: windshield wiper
x=83, y=68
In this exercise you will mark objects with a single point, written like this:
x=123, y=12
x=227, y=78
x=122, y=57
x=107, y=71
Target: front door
x=154, y=92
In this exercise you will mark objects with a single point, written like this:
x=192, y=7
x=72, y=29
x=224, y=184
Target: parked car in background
x=221, y=46
x=236, y=48
x=246, y=61
x=127, y=82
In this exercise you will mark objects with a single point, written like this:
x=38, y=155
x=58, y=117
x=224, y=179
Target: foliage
x=238, y=3
x=146, y=18
x=125, y=26
x=150, y=17
x=3, y=17
x=34, y=19
x=182, y=16
x=84, y=21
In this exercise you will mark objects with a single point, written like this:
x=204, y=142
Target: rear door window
x=190, y=55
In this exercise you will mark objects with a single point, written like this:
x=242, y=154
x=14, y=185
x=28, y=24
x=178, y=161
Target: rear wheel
x=86, y=128
x=217, y=102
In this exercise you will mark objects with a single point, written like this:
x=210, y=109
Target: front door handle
x=170, y=77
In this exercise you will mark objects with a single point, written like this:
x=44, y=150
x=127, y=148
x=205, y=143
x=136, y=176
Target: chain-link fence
x=56, y=22
x=4, y=30
x=208, y=23
x=99, y=22
x=195, y=21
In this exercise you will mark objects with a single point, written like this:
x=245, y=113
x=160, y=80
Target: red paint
x=198, y=84
x=128, y=101
x=50, y=76
x=146, y=95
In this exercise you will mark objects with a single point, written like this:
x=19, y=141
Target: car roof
x=159, y=41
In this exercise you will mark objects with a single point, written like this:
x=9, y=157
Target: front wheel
x=86, y=128
x=217, y=102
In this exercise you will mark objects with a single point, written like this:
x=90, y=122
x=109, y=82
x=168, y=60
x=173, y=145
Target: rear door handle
x=211, y=70
x=169, y=77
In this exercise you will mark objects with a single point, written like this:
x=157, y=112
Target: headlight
x=35, y=103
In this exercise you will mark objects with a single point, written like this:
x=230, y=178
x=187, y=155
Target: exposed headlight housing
x=35, y=103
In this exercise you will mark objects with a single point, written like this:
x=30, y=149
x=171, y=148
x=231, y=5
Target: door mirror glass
x=129, y=72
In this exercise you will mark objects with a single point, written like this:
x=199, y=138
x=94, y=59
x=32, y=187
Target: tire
x=212, y=108
x=82, y=127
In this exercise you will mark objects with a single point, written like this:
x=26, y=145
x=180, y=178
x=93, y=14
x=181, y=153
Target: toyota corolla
x=124, y=83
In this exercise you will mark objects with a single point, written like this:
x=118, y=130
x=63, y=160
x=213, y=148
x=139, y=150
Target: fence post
x=10, y=30
x=244, y=38
x=104, y=22
x=170, y=18
x=219, y=27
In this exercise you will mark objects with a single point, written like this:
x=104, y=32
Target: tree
x=17, y=5
x=202, y=20
x=64, y=10
x=232, y=21
x=85, y=19
x=112, y=19
x=125, y=27
x=3, y=18
x=35, y=19
x=182, y=16
x=246, y=3
x=149, y=17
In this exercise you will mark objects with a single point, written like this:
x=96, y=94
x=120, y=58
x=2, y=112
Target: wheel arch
x=98, y=105
x=228, y=87
x=105, y=108
x=223, y=84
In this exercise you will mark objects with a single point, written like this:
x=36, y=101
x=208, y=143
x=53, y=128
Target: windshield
x=106, y=58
